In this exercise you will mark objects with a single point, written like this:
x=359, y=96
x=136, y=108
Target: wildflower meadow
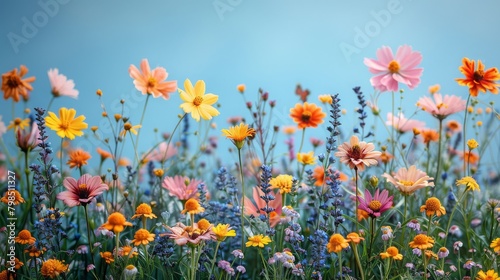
x=410, y=191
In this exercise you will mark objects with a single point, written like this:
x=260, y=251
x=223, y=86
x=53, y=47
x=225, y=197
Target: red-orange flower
x=13, y=84
x=153, y=81
x=78, y=158
x=478, y=79
x=307, y=115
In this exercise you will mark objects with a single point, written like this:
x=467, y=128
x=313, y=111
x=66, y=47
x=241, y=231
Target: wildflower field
x=393, y=197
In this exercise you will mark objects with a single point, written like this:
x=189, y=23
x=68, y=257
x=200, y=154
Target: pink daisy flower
x=377, y=204
x=152, y=82
x=407, y=181
x=390, y=70
x=357, y=154
x=255, y=209
x=402, y=124
x=182, y=187
x=162, y=153
x=60, y=84
x=81, y=192
x=183, y=234
x=441, y=107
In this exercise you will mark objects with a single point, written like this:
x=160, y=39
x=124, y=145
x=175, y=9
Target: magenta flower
x=153, y=81
x=27, y=140
x=402, y=124
x=60, y=84
x=390, y=70
x=81, y=192
x=377, y=204
x=441, y=107
x=182, y=187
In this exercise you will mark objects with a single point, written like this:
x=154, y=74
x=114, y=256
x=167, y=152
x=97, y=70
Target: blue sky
x=265, y=44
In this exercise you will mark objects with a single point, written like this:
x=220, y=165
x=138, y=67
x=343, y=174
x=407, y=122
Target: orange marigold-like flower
x=429, y=135
x=192, y=206
x=14, y=86
x=337, y=243
x=15, y=194
x=78, y=158
x=238, y=134
x=422, y=242
x=392, y=252
x=354, y=238
x=24, y=237
x=144, y=210
x=107, y=256
x=52, y=268
x=478, y=79
x=307, y=115
x=433, y=206
x=143, y=236
x=116, y=222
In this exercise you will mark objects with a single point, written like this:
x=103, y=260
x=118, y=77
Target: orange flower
x=78, y=158
x=354, y=238
x=12, y=193
x=433, y=206
x=104, y=154
x=144, y=210
x=392, y=252
x=238, y=134
x=362, y=215
x=24, y=237
x=429, y=135
x=143, y=236
x=337, y=243
x=153, y=81
x=192, y=206
x=307, y=115
x=107, y=256
x=52, y=268
x=13, y=84
x=470, y=157
x=116, y=222
x=478, y=79
x=422, y=242
x=453, y=126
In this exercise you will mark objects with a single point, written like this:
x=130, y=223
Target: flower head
x=107, y=256
x=478, y=79
x=472, y=144
x=422, y=242
x=81, y=191
x=283, y=183
x=197, y=102
x=441, y=107
x=130, y=271
x=390, y=70
x=9, y=194
x=307, y=115
x=152, y=82
x=78, y=158
x=128, y=127
x=429, y=135
x=255, y=209
x=127, y=251
x=402, y=124
x=192, y=206
x=488, y=275
x=14, y=86
x=144, y=210
x=182, y=187
x=24, y=237
x=66, y=125
x=143, y=236
x=18, y=124
x=222, y=231
x=28, y=139
x=162, y=153
x=354, y=238
x=495, y=245
x=60, y=84
x=325, y=99
x=377, y=204
x=393, y=253
x=258, y=241
x=238, y=134
x=116, y=222
x=53, y=268
x=337, y=243
x=306, y=158
x=469, y=182
x=407, y=181
x=433, y=206
x=357, y=154
x=193, y=235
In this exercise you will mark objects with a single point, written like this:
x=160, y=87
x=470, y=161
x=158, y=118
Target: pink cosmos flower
x=182, y=187
x=81, y=192
x=357, y=154
x=441, y=107
x=390, y=70
x=183, y=234
x=255, y=209
x=152, y=82
x=407, y=181
x=377, y=204
x=27, y=140
x=161, y=153
x=60, y=84
x=402, y=124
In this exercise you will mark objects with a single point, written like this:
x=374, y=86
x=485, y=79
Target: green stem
x=242, y=214
x=358, y=262
x=193, y=267
x=464, y=129
x=142, y=119
x=438, y=171
x=340, y=264
x=88, y=235
x=50, y=103
x=214, y=259
x=356, y=197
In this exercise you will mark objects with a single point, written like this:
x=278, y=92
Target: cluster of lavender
x=185, y=133
x=49, y=229
x=293, y=232
x=334, y=195
x=164, y=249
x=318, y=241
x=362, y=113
x=267, y=196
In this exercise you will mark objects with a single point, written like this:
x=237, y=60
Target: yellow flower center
x=203, y=224
x=432, y=204
x=393, y=251
x=374, y=205
x=191, y=205
x=393, y=66
x=406, y=183
x=478, y=75
x=441, y=105
x=116, y=219
x=306, y=116
x=64, y=125
x=197, y=100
